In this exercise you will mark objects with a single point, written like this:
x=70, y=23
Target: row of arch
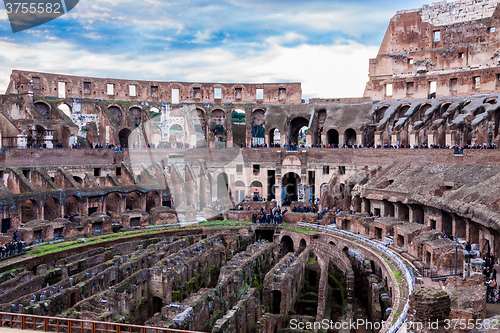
x=112, y=202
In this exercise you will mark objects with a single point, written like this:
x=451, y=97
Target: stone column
x=413, y=139
x=378, y=138
x=22, y=141
x=279, y=194
x=430, y=137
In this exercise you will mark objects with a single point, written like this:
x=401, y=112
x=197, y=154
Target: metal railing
x=67, y=325
x=407, y=272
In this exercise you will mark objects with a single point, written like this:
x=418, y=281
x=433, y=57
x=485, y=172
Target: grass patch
x=92, y=240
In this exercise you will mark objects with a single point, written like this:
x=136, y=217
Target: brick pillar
x=378, y=138
x=430, y=137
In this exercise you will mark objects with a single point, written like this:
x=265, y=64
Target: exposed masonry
x=445, y=13
x=219, y=281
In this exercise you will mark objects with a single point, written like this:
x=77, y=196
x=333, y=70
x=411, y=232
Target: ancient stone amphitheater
x=134, y=206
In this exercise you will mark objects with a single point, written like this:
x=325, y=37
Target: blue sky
x=323, y=44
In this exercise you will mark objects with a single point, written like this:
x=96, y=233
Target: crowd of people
x=294, y=147
x=271, y=216
x=15, y=246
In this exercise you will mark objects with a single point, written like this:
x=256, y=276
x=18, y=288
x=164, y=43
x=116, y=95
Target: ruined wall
x=45, y=84
x=453, y=45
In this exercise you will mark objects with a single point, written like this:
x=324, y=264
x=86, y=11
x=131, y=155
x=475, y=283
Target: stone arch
x=133, y=201
x=50, y=209
x=274, y=136
x=222, y=185
x=239, y=127
x=388, y=208
x=447, y=223
x=417, y=214
x=43, y=108
x=153, y=199
x=123, y=137
x=137, y=114
x=175, y=133
x=380, y=113
x=497, y=122
x=115, y=114
x=113, y=202
x=256, y=189
x=294, y=128
x=28, y=211
x=350, y=137
x=200, y=125
x=290, y=186
x=420, y=115
x=72, y=206
x=286, y=245
x=258, y=130
x=332, y=137
x=239, y=191
x=302, y=245
x=402, y=110
x=320, y=127
x=218, y=127
x=66, y=109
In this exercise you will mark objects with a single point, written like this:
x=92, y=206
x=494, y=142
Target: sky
x=323, y=44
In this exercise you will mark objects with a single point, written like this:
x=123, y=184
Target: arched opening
x=497, y=122
x=222, y=186
x=44, y=109
x=290, y=186
x=65, y=109
x=320, y=127
x=275, y=137
x=123, y=137
x=239, y=191
x=175, y=136
x=218, y=128
x=133, y=201
x=153, y=200
x=332, y=137
x=286, y=245
x=275, y=302
x=256, y=190
x=350, y=137
x=295, y=129
x=71, y=206
x=447, y=224
x=28, y=211
x=380, y=114
x=50, y=209
x=388, y=208
x=115, y=115
x=417, y=214
x=78, y=180
x=403, y=212
x=113, y=203
x=302, y=245
x=155, y=112
x=258, y=131
x=137, y=115
x=156, y=304
x=239, y=127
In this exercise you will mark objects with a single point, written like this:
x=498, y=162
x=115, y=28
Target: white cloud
x=3, y=15
x=202, y=37
x=289, y=37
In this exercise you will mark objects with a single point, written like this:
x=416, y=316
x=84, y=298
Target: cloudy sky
x=323, y=44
